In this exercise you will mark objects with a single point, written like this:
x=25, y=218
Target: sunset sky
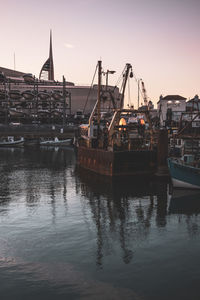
x=160, y=38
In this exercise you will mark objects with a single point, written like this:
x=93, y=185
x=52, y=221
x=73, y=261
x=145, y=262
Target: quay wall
x=37, y=131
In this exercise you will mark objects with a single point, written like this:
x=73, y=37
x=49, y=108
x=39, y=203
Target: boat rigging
x=117, y=143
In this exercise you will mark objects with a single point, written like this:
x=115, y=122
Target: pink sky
x=160, y=38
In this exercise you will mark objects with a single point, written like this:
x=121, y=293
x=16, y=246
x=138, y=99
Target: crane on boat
x=144, y=94
x=127, y=72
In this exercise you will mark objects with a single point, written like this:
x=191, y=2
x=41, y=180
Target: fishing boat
x=185, y=172
x=55, y=142
x=11, y=141
x=113, y=145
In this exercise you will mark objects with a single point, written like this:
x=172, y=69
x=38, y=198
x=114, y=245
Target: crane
x=144, y=94
x=147, y=114
x=126, y=73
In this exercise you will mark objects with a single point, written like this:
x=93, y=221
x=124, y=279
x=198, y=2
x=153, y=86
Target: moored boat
x=29, y=78
x=57, y=95
x=14, y=94
x=185, y=172
x=28, y=95
x=11, y=141
x=16, y=113
x=55, y=142
x=112, y=145
x=43, y=95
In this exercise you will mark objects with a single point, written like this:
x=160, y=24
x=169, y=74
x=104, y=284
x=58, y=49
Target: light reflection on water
x=69, y=234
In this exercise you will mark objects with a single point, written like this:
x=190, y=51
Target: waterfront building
x=193, y=104
x=24, y=95
x=170, y=109
x=15, y=88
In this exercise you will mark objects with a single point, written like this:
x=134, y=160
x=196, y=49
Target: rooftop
x=171, y=97
x=11, y=73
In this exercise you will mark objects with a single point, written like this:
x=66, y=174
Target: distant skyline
x=161, y=39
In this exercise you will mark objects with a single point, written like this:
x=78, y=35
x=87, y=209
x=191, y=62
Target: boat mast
x=99, y=93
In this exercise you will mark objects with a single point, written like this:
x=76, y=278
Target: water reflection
x=124, y=206
x=123, y=210
x=186, y=203
x=32, y=172
x=71, y=228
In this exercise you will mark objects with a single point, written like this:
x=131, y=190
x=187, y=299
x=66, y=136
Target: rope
x=90, y=89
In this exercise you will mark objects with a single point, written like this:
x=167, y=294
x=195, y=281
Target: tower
x=47, y=71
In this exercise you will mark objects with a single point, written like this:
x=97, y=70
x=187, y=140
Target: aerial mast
x=51, y=66
x=99, y=92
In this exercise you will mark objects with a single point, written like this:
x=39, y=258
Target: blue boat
x=185, y=172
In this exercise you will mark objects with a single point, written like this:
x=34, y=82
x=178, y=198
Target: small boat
x=56, y=113
x=29, y=78
x=55, y=142
x=14, y=94
x=28, y=95
x=10, y=141
x=185, y=172
x=57, y=95
x=43, y=95
x=16, y=113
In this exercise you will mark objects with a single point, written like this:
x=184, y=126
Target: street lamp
x=106, y=73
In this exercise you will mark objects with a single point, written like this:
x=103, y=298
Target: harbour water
x=67, y=234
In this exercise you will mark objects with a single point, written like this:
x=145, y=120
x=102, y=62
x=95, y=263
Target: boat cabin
x=188, y=158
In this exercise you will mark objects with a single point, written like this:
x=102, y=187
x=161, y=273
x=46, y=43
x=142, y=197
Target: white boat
x=29, y=78
x=43, y=95
x=55, y=142
x=10, y=141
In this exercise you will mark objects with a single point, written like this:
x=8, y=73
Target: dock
x=33, y=133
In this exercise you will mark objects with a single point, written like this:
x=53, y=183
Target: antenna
x=14, y=61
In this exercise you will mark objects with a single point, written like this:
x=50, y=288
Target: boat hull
x=117, y=163
x=19, y=143
x=184, y=176
x=56, y=144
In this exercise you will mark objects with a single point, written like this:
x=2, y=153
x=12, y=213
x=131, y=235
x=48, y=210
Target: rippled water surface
x=67, y=234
